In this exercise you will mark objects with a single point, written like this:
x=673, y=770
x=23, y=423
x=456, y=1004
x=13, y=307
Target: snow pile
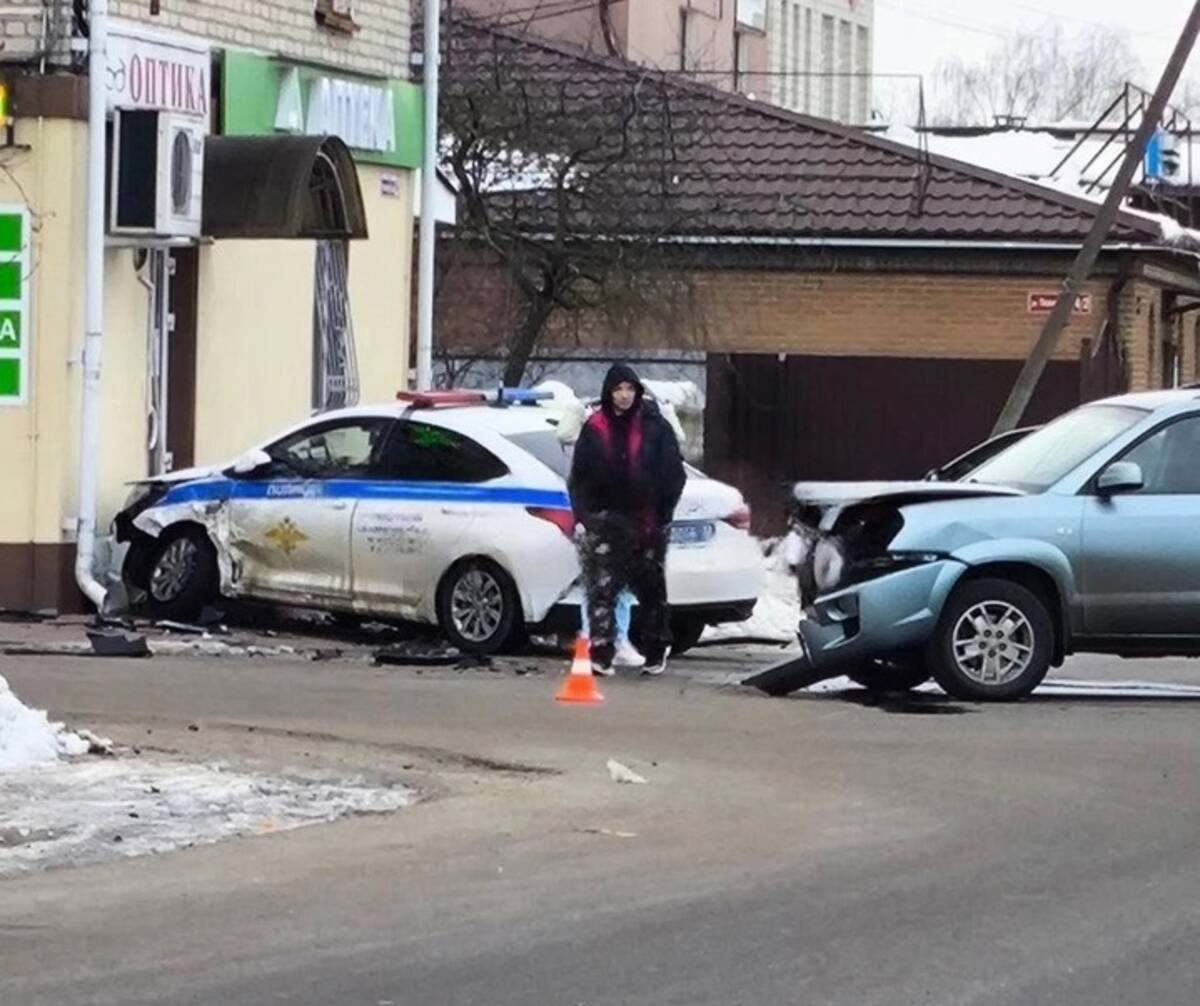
x=677, y=394
x=90, y=811
x=572, y=412
x=27, y=736
x=778, y=610
x=1038, y=156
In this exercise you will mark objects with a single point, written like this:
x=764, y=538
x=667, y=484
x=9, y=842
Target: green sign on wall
x=14, y=305
x=379, y=120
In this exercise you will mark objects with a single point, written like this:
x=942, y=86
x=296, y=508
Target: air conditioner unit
x=157, y=173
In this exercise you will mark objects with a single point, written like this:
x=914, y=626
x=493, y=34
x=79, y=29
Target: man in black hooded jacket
x=626, y=479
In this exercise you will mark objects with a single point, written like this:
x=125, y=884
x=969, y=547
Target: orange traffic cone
x=580, y=686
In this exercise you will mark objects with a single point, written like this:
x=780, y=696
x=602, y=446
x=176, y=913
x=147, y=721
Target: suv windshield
x=1038, y=461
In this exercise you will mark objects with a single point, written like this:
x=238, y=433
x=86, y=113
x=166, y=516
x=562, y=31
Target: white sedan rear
x=454, y=514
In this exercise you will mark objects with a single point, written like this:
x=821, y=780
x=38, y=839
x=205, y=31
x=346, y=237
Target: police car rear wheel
x=479, y=609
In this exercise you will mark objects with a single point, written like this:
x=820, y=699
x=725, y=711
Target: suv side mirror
x=251, y=462
x=1120, y=477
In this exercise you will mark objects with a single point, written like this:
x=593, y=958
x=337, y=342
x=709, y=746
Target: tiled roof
x=705, y=163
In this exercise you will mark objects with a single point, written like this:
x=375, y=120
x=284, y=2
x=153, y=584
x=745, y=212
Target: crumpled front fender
x=213, y=516
x=1036, y=554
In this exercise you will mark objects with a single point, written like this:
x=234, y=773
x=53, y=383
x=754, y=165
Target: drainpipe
x=93, y=296
x=428, y=235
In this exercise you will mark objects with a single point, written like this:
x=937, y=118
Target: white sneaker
x=656, y=669
x=603, y=672
x=627, y=656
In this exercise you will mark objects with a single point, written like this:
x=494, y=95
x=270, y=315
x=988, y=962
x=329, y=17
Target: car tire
x=686, y=631
x=478, y=607
x=890, y=675
x=993, y=643
x=181, y=574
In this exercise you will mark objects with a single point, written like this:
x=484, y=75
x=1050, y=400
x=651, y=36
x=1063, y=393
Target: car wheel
x=181, y=574
x=685, y=633
x=890, y=675
x=994, y=642
x=478, y=607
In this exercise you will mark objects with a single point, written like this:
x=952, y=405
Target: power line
x=949, y=22
x=541, y=11
x=1035, y=9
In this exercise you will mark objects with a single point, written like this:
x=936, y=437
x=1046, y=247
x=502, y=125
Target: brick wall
x=280, y=27
x=31, y=29
x=922, y=315
x=864, y=314
x=1189, y=347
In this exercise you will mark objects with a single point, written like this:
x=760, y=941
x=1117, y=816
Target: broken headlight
x=139, y=492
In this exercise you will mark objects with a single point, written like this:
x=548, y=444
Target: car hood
x=838, y=495
x=181, y=475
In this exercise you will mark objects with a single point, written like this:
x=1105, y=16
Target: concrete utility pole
x=428, y=235
x=1043, y=349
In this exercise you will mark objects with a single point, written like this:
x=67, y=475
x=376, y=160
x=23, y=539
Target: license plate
x=697, y=533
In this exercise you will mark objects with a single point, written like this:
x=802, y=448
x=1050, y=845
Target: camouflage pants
x=615, y=553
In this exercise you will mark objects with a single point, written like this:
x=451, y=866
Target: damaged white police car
x=445, y=507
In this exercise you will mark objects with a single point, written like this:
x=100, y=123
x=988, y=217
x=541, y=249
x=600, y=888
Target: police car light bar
x=520, y=396
x=431, y=399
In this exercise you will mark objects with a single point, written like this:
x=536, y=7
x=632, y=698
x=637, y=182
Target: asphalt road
x=820, y=849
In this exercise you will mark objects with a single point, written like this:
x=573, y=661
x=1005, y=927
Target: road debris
x=118, y=644
x=623, y=773
x=611, y=833
x=416, y=655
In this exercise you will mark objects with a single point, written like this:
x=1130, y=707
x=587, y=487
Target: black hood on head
x=618, y=373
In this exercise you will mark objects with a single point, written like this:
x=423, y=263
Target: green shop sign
x=14, y=305
x=379, y=120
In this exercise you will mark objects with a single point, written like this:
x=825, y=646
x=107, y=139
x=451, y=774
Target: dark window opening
x=335, y=363
x=326, y=209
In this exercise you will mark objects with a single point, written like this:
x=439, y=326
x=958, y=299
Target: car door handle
x=451, y=512
x=342, y=505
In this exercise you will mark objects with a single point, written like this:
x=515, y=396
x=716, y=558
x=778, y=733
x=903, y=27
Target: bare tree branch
x=569, y=180
x=1042, y=75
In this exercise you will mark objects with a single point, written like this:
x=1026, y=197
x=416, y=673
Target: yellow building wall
x=39, y=451
x=37, y=440
x=255, y=318
x=254, y=339
x=124, y=426
x=381, y=283
x=253, y=345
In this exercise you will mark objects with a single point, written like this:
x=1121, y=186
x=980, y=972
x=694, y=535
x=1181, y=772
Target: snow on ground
x=27, y=736
x=64, y=809
x=93, y=810
x=778, y=610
